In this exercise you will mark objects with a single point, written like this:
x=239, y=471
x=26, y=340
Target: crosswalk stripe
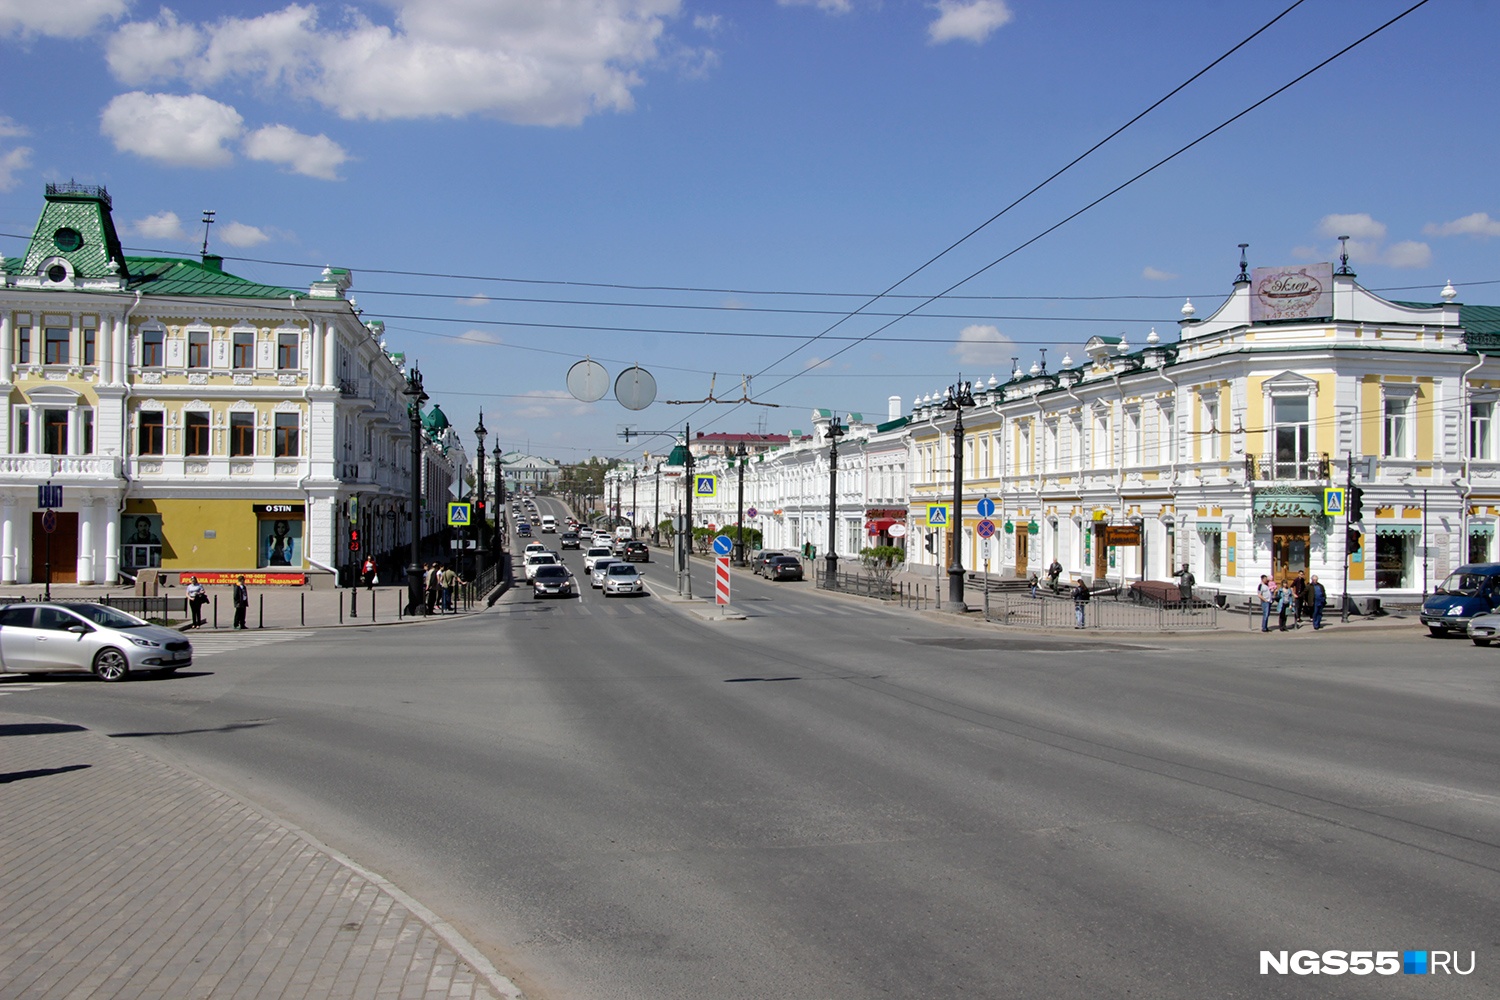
x=23, y=688
x=210, y=645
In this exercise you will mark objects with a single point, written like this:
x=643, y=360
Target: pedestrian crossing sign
x=705, y=487
x=1333, y=500
x=458, y=513
x=937, y=515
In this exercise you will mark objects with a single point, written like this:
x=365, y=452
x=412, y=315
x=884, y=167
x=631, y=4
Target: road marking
x=210, y=644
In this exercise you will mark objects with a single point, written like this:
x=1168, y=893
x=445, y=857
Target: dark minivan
x=1468, y=591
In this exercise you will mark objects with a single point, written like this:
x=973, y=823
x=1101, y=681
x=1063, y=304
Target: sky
x=719, y=191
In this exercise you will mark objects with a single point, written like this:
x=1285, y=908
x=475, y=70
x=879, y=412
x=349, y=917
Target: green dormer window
x=67, y=239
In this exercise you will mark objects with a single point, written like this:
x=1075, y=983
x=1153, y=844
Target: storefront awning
x=875, y=526
x=1398, y=529
x=1284, y=505
x=1210, y=527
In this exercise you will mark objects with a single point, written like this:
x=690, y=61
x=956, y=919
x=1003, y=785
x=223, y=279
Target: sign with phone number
x=251, y=579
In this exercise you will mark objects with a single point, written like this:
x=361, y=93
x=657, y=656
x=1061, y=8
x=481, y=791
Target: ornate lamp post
x=415, y=603
x=739, y=521
x=831, y=558
x=960, y=395
x=501, y=514
x=480, y=432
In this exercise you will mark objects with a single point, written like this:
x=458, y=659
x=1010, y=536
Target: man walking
x=1080, y=602
x=1265, y=592
x=1319, y=602
x=1299, y=597
x=241, y=602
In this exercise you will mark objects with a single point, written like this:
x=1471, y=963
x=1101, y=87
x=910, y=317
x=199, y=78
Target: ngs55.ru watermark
x=1364, y=963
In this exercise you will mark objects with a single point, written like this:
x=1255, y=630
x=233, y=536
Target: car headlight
x=1455, y=610
x=144, y=642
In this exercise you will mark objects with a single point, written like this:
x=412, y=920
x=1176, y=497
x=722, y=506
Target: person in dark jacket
x=1080, y=602
x=1319, y=597
x=241, y=602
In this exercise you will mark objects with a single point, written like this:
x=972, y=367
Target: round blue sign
x=723, y=545
x=986, y=507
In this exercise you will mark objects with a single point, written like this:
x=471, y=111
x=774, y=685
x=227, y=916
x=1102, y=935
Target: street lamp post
x=415, y=603
x=831, y=558
x=739, y=523
x=634, y=516
x=656, y=507
x=501, y=514
x=960, y=395
x=480, y=432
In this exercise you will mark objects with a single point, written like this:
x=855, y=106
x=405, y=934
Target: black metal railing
x=1270, y=468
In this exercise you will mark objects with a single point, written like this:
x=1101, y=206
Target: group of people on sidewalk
x=440, y=583
x=1294, y=597
x=197, y=600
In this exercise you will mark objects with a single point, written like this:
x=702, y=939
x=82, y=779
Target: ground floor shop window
x=1479, y=545
x=1213, y=556
x=140, y=547
x=1393, y=561
x=280, y=541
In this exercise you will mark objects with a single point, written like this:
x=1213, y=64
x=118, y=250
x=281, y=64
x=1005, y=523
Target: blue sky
x=725, y=180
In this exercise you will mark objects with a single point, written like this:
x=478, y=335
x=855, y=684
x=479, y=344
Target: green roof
x=1475, y=319
x=180, y=276
x=891, y=425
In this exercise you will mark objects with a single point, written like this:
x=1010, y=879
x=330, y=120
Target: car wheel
x=111, y=665
x=1481, y=642
x=1436, y=630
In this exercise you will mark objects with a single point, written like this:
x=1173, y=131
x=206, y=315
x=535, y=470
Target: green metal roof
x=179, y=276
x=1475, y=319
x=891, y=425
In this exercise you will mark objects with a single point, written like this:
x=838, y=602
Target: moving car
x=600, y=570
x=549, y=524
x=623, y=578
x=570, y=540
x=1468, y=591
x=784, y=568
x=637, y=551
x=523, y=529
x=552, y=581
x=83, y=638
x=535, y=559
x=594, y=554
x=759, y=561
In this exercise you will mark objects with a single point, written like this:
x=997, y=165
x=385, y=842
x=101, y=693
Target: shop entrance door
x=1289, y=552
x=1101, y=554
x=64, y=555
x=1021, y=550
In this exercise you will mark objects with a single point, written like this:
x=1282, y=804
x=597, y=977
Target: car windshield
x=551, y=570
x=621, y=569
x=541, y=559
x=1467, y=584
x=103, y=614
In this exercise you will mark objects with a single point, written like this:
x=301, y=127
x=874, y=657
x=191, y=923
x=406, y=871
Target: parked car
x=570, y=540
x=552, y=581
x=594, y=554
x=600, y=570
x=784, y=568
x=83, y=638
x=1466, y=592
x=535, y=559
x=623, y=578
x=759, y=561
x=1484, y=629
x=637, y=551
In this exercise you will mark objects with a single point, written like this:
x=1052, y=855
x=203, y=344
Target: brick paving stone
x=165, y=887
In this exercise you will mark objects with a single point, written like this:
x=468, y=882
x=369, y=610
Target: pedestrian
x=1265, y=592
x=1299, y=596
x=430, y=587
x=1284, y=601
x=368, y=572
x=1080, y=601
x=1053, y=572
x=241, y=602
x=1185, y=582
x=1034, y=583
x=447, y=581
x=1319, y=598
x=196, y=598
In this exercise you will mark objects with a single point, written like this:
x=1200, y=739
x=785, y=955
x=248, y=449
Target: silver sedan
x=83, y=638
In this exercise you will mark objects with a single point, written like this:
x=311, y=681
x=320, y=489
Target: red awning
x=879, y=524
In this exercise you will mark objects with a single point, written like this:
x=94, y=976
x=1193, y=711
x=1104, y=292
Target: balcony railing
x=1269, y=468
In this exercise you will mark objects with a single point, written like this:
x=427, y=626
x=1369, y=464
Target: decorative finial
x=1067, y=361
x=1343, y=256
x=1044, y=360
x=993, y=380
x=1449, y=293
x=1036, y=369
x=1187, y=309
x=1244, y=275
x=1152, y=338
x=1123, y=347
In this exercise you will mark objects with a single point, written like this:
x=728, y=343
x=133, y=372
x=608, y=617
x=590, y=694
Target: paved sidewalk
x=126, y=878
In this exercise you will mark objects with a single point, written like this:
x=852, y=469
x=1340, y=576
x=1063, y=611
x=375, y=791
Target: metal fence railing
x=1122, y=616
x=907, y=593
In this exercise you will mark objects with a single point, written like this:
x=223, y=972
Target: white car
x=594, y=554
x=534, y=547
x=87, y=638
x=623, y=578
x=600, y=570
x=535, y=559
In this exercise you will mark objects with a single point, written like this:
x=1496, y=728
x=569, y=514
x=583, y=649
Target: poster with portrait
x=140, y=541
x=280, y=542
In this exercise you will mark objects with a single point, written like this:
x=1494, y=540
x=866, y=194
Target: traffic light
x=1354, y=508
x=932, y=541
x=353, y=539
x=1354, y=539
x=479, y=510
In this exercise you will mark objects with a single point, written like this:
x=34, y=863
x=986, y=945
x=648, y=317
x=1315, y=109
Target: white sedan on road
x=535, y=559
x=623, y=578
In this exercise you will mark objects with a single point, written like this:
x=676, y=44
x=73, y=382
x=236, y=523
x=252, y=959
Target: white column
x=86, y=541
x=7, y=349
x=330, y=354
x=7, y=542
x=111, y=542
x=106, y=349
x=317, y=333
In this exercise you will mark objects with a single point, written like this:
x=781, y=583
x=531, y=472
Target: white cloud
x=10, y=129
x=1358, y=226
x=476, y=301
x=73, y=19
x=528, y=63
x=832, y=6
x=1153, y=274
x=548, y=404
x=967, y=20
x=12, y=162
x=1479, y=224
x=1408, y=254
x=983, y=345
x=480, y=337
x=312, y=155
x=710, y=24
x=186, y=131
x=238, y=234
x=161, y=226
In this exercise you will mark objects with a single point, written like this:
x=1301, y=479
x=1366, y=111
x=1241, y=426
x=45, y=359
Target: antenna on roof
x=208, y=220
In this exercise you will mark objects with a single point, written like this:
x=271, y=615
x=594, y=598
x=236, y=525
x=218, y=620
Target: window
x=54, y=432
x=90, y=339
x=1101, y=441
x=55, y=344
x=286, y=435
x=1291, y=437
x=1213, y=555
x=194, y=433
x=241, y=435
x=1397, y=437
x=23, y=431
x=1133, y=437
x=244, y=349
x=1210, y=429
x=86, y=432
x=286, y=351
x=198, y=349
x=151, y=348
x=1393, y=560
x=1481, y=424
x=23, y=345
x=151, y=434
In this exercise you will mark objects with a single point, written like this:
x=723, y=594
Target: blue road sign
x=723, y=545
x=986, y=507
x=49, y=495
x=985, y=528
x=1333, y=500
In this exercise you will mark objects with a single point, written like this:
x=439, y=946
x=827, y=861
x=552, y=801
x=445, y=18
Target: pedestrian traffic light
x=1354, y=507
x=931, y=541
x=1354, y=538
x=479, y=510
x=353, y=539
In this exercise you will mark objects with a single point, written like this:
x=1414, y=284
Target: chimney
x=893, y=408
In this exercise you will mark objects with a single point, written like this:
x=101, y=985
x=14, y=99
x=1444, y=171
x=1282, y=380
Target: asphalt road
x=618, y=799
